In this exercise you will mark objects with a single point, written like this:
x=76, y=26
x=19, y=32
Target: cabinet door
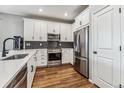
x=43, y=32
x=53, y=28
x=50, y=27
x=106, y=24
x=31, y=71
x=63, y=32
x=28, y=30
x=77, y=22
x=70, y=33
x=42, y=57
x=37, y=30
x=82, y=19
x=67, y=56
x=57, y=28
x=66, y=32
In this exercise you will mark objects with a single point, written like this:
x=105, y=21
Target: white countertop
x=9, y=68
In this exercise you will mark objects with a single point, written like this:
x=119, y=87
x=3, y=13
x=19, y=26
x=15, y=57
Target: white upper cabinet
x=66, y=32
x=53, y=28
x=43, y=31
x=82, y=19
x=28, y=30
x=35, y=30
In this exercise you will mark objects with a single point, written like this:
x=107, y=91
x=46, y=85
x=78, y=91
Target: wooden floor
x=60, y=77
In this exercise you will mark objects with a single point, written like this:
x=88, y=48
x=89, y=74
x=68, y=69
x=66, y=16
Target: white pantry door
x=106, y=30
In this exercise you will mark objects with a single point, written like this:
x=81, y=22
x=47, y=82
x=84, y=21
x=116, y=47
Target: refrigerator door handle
x=78, y=40
x=94, y=52
x=86, y=41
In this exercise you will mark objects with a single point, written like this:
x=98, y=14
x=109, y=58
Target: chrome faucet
x=4, y=52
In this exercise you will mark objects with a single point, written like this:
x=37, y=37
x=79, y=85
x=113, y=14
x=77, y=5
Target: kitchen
x=80, y=46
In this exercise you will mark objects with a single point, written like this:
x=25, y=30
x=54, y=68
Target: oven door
x=54, y=59
x=54, y=56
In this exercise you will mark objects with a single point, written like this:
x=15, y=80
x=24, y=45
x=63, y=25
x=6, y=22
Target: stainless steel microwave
x=53, y=37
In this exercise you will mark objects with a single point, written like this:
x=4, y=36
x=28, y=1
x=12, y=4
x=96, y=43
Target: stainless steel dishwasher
x=20, y=80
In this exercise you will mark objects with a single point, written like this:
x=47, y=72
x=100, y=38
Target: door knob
x=94, y=52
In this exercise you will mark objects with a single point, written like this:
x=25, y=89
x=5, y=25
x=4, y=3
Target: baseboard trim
x=91, y=81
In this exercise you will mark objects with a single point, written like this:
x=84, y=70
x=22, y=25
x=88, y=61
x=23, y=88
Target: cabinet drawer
x=42, y=58
x=42, y=63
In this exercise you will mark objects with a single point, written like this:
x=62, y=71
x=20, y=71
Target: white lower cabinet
x=31, y=67
x=41, y=57
x=67, y=55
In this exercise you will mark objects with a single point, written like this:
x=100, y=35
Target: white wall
x=10, y=25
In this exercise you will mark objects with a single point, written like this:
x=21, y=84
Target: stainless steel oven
x=54, y=57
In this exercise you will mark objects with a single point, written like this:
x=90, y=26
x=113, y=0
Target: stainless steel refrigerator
x=81, y=51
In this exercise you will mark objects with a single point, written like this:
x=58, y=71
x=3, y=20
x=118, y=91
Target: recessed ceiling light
x=40, y=10
x=65, y=14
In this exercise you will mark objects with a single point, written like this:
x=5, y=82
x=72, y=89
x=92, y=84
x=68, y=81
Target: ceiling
x=49, y=11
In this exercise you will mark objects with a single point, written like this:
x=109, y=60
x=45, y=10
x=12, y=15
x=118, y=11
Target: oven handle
x=23, y=78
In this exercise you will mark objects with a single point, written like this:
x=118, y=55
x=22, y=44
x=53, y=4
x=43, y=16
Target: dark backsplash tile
x=67, y=44
x=42, y=44
x=35, y=44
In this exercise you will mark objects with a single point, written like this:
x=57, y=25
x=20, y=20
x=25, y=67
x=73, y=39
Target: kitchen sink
x=17, y=56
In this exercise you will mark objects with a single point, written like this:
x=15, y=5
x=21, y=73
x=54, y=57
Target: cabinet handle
x=53, y=30
x=40, y=38
x=32, y=68
x=80, y=23
x=65, y=38
x=32, y=37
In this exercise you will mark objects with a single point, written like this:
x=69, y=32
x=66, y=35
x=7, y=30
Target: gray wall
x=10, y=25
